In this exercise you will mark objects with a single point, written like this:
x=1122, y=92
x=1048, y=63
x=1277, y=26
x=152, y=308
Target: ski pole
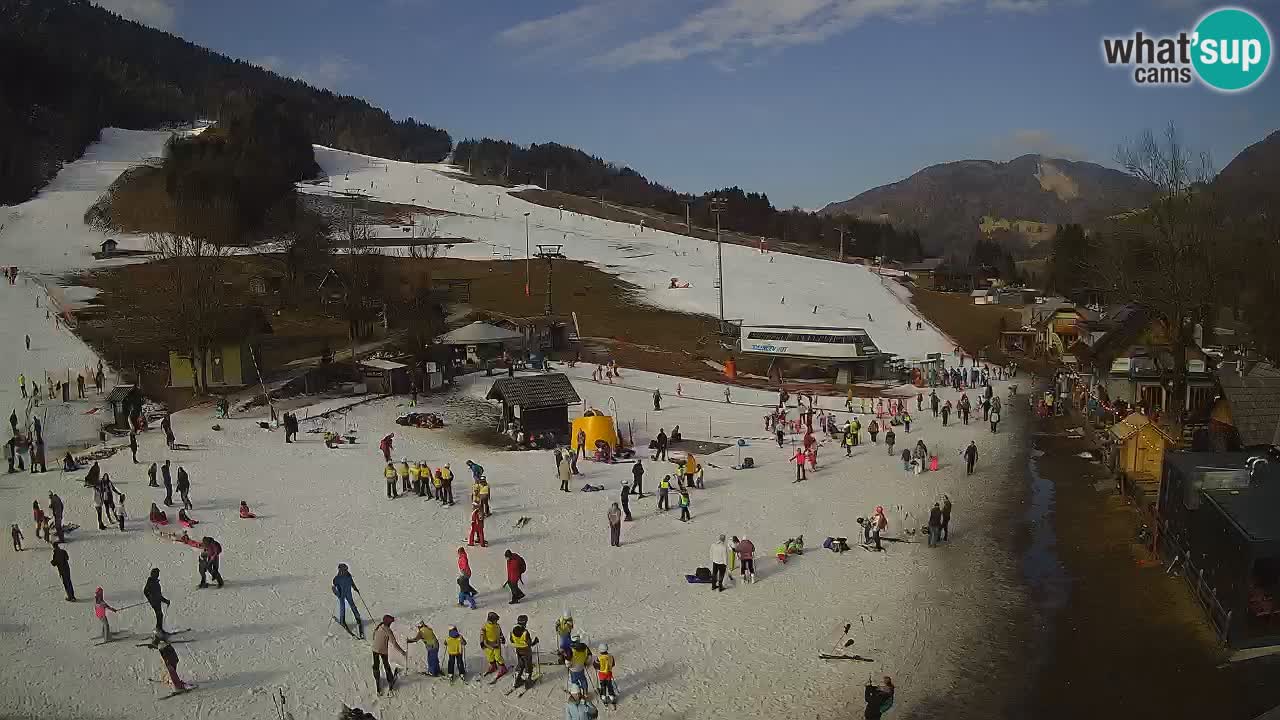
x=126, y=607
x=366, y=605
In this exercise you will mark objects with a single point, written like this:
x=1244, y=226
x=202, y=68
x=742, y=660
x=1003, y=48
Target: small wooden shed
x=539, y=403
x=1141, y=445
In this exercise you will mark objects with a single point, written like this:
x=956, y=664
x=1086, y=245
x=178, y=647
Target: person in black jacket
x=184, y=487
x=155, y=597
x=879, y=699
x=970, y=457
x=637, y=477
x=63, y=562
x=151, y=476
x=626, y=496
x=661, y=448
x=133, y=446
x=168, y=484
x=935, y=525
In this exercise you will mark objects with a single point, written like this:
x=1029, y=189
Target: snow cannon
x=595, y=428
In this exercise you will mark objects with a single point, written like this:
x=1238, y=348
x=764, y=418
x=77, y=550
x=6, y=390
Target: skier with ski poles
x=524, y=643
x=564, y=633
x=155, y=598
x=454, y=644
x=343, y=585
x=578, y=660
x=604, y=664
x=427, y=637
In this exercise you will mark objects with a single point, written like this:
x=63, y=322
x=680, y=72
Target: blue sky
x=811, y=101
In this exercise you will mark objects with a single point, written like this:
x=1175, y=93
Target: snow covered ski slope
x=772, y=288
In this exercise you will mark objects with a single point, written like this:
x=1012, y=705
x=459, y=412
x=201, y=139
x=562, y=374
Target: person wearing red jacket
x=211, y=552
x=477, y=527
x=515, y=569
x=464, y=564
x=799, y=459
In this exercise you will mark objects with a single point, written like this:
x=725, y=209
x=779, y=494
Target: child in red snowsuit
x=477, y=527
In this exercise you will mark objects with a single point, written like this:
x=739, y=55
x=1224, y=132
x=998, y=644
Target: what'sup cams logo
x=1229, y=50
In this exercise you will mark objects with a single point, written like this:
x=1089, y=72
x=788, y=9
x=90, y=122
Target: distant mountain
x=1252, y=180
x=953, y=203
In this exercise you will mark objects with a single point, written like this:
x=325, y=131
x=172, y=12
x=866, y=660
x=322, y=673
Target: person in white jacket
x=719, y=563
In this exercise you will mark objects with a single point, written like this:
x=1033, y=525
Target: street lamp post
x=526, y=254
x=717, y=207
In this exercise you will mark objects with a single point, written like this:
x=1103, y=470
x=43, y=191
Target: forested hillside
x=69, y=69
x=571, y=170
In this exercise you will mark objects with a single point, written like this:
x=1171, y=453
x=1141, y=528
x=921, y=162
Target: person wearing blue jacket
x=343, y=585
x=477, y=472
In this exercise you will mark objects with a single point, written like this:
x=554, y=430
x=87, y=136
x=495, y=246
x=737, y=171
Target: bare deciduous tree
x=1168, y=257
x=195, y=271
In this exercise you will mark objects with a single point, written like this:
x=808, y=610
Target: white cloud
x=725, y=30
x=156, y=13
x=1018, y=6
x=274, y=63
x=1037, y=141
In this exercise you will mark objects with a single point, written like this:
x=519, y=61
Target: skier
x=524, y=643
x=481, y=492
x=170, y=658
x=780, y=435
x=15, y=533
x=664, y=489
x=210, y=554
x=343, y=585
x=637, y=479
x=120, y=513
x=657, y=400
x=151, y=476
x=389, y=476
x=746, y=552
x=515, y=570
x=63, y=562
x=477, y=527
x=155, y=598
x=906, y=421
x=614, y=518
x=168, y=482
x=564, y=632
x=933, y=402
x=626, y=507
x=919, y=402
x=41, y=521
x=491, y=641
x=427, y=637
x=446, y=485
x=872, y=528
x=879, y=699
x=660, y=444
x=97, y=503
x=184, y=487
x=133, y=446
x=994, y=418
x=415, y=479
x=404, y=476
x=245, y=512
x=579, y=659
x=383, y=638
x=874, y=430
x=889, y=438
x=100, y=608
x=847, y=442
x=719, y=563
x=453, y=645
x=385, y=445
x=578, y=708
x=604, y=664
x=970, y=457
x=946, y=413
x=477, y=472
x=684, y=505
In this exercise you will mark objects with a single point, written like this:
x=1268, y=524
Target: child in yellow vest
x=604, y=664
x=390, y=476
x=492, y=639
x=453, y=645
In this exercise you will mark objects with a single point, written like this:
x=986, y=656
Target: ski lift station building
x=849, y=351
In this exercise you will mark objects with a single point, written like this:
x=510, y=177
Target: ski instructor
x=343, y=585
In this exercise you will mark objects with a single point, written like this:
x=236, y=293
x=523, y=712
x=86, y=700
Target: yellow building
x=1140, y=446
x=228, y=365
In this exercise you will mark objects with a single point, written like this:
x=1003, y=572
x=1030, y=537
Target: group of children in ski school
x=572, y=651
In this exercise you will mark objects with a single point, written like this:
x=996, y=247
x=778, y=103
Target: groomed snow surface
x=683, y=651
x=771, y=288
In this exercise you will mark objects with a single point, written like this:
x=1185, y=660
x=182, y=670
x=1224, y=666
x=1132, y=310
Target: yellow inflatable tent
x=596, y=427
